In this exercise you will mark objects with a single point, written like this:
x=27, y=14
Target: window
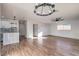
x=63, y=27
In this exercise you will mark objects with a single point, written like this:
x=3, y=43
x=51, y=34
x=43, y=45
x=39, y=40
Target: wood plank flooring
x=50, y=46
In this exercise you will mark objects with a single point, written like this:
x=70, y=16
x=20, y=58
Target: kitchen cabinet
x=10, y=38
x=10, y=31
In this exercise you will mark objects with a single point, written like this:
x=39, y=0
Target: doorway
x=22, y=29
x=35, y=30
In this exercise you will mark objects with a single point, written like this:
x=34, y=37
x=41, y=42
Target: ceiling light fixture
x=58, y=19
x=44, y=9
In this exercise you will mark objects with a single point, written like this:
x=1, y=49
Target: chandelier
x=44, y=9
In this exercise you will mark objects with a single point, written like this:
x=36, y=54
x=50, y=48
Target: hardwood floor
x=50, y=46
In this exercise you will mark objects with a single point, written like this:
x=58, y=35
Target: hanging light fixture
x=44, y=9
x=59, y=19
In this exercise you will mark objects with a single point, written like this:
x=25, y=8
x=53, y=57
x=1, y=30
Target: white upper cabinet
x=8, y=24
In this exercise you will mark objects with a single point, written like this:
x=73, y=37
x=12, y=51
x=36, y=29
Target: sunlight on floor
x=40, y=37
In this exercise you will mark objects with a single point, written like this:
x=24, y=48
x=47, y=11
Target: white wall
x=74, y=33
x=29, y=29
x=11, y=10
x=42, y=27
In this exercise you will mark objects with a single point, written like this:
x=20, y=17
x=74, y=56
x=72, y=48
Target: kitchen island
x=10, y=38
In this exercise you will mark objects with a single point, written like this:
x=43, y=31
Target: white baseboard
x=65, y=37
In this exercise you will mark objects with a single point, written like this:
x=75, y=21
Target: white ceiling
x=65, y=10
